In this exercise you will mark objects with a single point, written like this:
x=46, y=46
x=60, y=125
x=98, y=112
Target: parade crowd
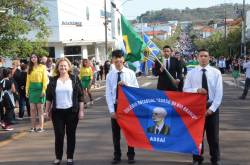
x=60, y=91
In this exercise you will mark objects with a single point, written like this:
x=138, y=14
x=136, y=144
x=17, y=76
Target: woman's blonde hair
x=56, y=71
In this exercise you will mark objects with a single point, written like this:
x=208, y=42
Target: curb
x=13, y=137
x=17, y=135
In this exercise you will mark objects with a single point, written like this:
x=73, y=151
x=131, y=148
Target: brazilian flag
x=191, y=65
x=132, y=41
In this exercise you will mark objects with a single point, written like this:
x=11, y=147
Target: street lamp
x=124, y=2
x=117, y=8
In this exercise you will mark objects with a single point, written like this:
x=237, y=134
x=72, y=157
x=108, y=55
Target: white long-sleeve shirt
x=127, y=76
x=247, y=67
x=193, y=82
x=222, y=64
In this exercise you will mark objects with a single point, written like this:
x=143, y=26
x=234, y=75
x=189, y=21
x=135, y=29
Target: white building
x=77, y=28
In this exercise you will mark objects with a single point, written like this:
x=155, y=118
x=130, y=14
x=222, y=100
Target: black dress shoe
x=131, y=160
x=116, y=161
x=242, y=98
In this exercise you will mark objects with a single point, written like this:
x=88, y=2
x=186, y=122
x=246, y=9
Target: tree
x=218, y=46
x=20, y=19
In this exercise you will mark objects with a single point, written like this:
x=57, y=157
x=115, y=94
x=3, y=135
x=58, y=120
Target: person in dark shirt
x=7, y=99
x=106, y=68
x=23, y=100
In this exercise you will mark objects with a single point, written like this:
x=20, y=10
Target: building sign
x=74, y=23
x=102, y=14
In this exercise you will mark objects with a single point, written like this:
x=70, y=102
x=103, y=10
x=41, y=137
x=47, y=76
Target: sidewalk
x=20, y=127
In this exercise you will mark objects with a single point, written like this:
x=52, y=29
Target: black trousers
x=7, y=108
x=212, y=132
x=222, y=70
x=116, y=131
x=65, y=119
x=1, y=111
x=247, y=85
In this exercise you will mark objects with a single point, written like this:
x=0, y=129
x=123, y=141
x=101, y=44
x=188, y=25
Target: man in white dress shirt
x=118, y=76
x=246, y=66
x=205, y=79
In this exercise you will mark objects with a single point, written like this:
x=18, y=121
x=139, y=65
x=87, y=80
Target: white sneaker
x=32, y=129
x=39, y=130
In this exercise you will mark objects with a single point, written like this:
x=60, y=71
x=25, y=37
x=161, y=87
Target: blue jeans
x=22, y=102
x=247, y=85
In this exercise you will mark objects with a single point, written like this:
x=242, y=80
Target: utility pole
x=106, y=29
x=244, y=29
x=225, y=23
x=141, y=27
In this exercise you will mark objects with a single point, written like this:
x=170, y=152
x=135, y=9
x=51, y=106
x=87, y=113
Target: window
x=102, y=14
x=72, y=50
x=51, y=51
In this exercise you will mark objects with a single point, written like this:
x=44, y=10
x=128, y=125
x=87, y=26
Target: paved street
x=94, y=143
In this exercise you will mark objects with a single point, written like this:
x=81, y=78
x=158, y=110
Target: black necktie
x=167, y=67
x=204, y=81
x=157, y=131
x=118, y=80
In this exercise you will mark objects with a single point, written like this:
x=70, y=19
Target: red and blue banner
x=162, y=121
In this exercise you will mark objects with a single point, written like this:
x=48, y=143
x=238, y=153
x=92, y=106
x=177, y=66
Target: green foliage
x=20, y=18
x=218, y=45
x=198, y=14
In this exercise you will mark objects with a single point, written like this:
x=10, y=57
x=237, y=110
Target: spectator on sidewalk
x=36, y=85
x=16, y=76
x=64, y=110
x=236, y=71
x=7, y=99
x=101, y=72
x=106, y=68
x=86, y=76
x=23, y=100
x=246, y=66
x=222, y=64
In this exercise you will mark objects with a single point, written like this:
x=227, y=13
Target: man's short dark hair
x=117, y=53
x=203, y=50
x=167, y=47
x=6, y=72
x=177, y=53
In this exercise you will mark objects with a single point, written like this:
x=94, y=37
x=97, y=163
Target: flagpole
x=167, y=72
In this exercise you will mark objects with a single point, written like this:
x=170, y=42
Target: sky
x=133, y=8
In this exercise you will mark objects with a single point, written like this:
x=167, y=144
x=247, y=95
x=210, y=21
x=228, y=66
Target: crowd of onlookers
x=14, y=101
